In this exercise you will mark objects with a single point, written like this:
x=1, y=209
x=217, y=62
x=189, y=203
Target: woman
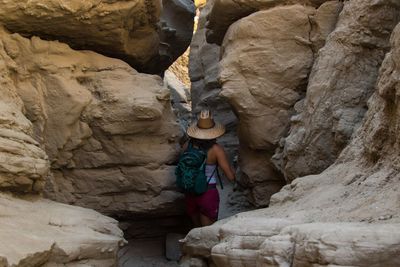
x=203, y=209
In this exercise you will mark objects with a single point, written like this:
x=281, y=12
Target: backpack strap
x=219, y=177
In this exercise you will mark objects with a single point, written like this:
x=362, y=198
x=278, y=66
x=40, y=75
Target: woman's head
x=205, y=128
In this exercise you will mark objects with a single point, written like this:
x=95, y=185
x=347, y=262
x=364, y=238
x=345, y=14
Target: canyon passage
x=96, y=97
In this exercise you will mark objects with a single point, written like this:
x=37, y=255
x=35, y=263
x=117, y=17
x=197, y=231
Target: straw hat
x=205, y=128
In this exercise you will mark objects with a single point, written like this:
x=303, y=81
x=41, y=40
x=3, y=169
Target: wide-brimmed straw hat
x=205, y=128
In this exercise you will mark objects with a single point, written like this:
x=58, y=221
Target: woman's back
x=216, y=156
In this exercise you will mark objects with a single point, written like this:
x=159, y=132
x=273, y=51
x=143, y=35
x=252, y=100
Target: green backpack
x=190, y=171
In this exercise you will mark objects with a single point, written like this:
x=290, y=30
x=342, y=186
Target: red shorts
x=206, y=204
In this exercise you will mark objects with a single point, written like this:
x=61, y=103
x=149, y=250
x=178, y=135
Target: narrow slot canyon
x=95, y=105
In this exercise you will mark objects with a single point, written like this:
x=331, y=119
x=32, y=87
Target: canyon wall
x=148, y=34
x=346, y=129
x=36, y=232
x=260, y=77
x=86, y=129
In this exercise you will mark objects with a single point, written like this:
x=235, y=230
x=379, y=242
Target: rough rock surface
x=263, y=76
x=225, y=12
x=108, y=131
x=44, y=233
x=205, y=87
x=130, y=30
x=342, y=80
x=23, y=164
x=346, y=216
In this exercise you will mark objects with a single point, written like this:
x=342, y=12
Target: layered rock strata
x=263, y=76
x=108, y=131
x=342, y=80
x=46, y=233
x=23, y=164
x=141, y=32
x=346, y=216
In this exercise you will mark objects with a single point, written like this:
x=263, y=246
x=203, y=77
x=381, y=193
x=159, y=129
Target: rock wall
x=33, y=231
x=23, y=164
x=85, y=129
x=225, y=12
x=342, y=80
x=108, y=131
x=263, y=76
x=345, y=216
x=141, y=32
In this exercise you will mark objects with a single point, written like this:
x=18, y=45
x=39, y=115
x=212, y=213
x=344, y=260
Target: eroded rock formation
x=108, y=131
x=263, y=76
x=130, y=30
x=225, y=12
x=46, y=233
x=37, y=232
x=336, y=99
x=347, y=215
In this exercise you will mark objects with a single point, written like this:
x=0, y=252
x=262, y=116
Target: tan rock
x=264, y=69
x=342, y=80
x=121, y=29
x=93, y=115
x=45, y=233
x=225, y=12
x=23, y=165
x=346, y=216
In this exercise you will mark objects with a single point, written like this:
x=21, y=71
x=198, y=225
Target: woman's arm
x=223, y=162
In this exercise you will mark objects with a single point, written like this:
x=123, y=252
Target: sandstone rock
x=23, y=164
x=345, y=216
x=341, y=82
x=254, y=240
x=45, y=233
x=123, y=29
x=109, y=131
x=225, y=12
x=262, y=76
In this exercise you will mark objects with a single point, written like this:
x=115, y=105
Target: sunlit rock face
x=108, y=131
x=142, y=32
x=226, y=12
x=46, y=233
x=342, y=80
x=265, y=62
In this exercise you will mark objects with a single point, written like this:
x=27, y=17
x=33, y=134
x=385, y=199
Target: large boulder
x=342, y=80
x=108, y=131
x=226, y=12
x=46, y=233
x=129, y=30
x=266, y=60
